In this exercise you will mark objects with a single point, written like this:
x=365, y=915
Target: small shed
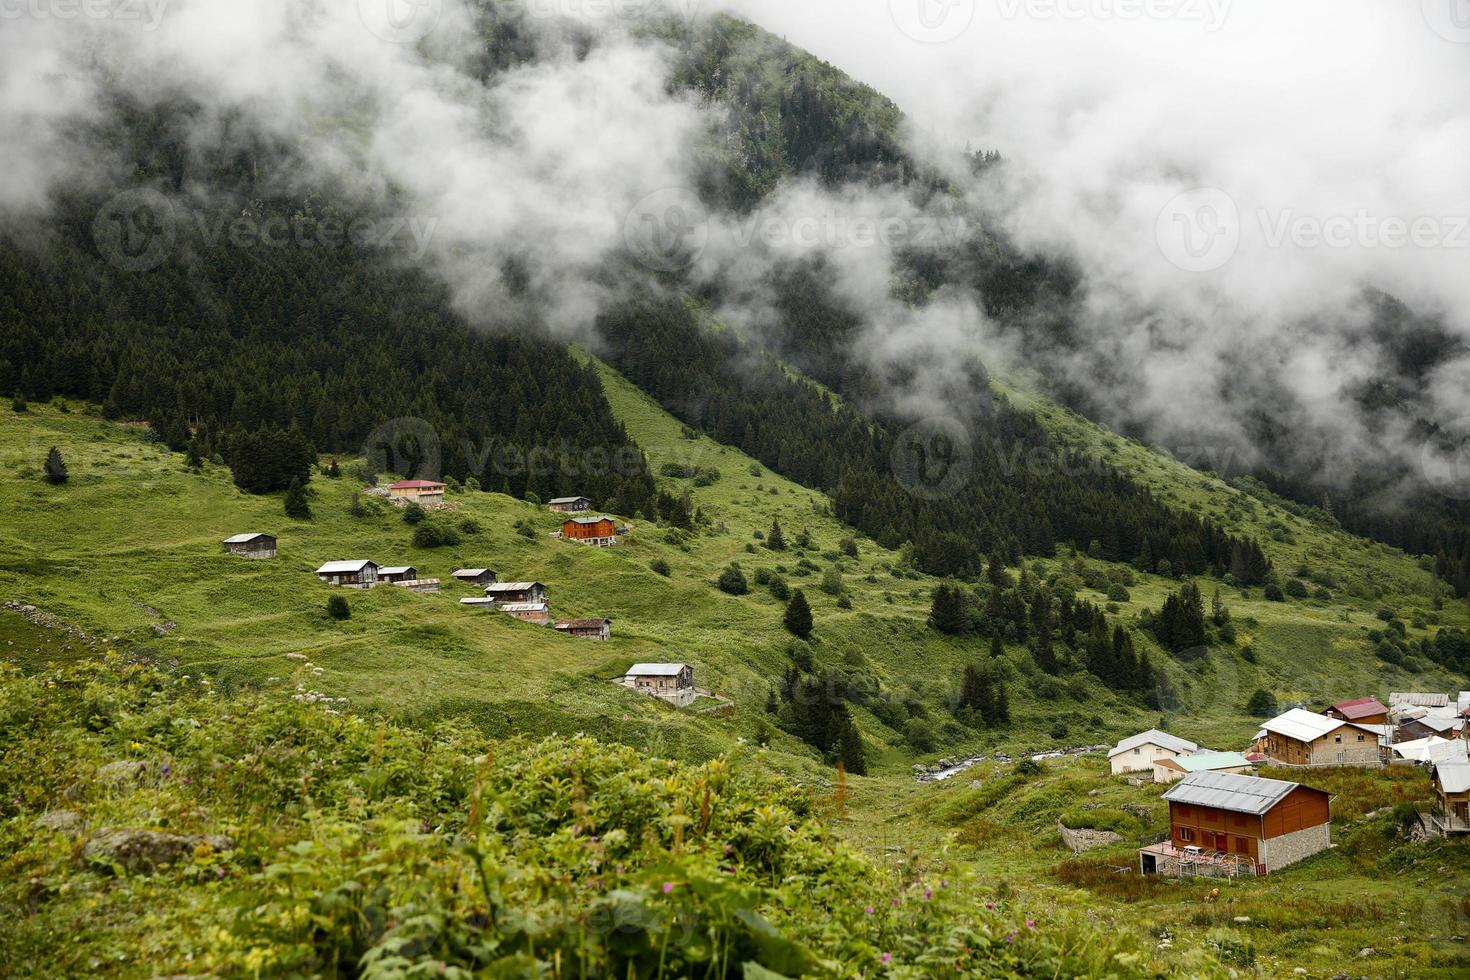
x=475, y=576
x=517, y=592
x=1452, y=787
x=587, y=629
x=351, y=574
x=1367, y=711
x=425, y=493
x=600, y=532
x=397, y=573
x=527, y=612
x=477, y=602
x=673, y=683
x=570, y=505
x=256, y=545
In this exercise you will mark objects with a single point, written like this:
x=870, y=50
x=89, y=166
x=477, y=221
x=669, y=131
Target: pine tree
x=947, y=614
x=297, y=505
x=850, y=749
x=798, y=618
x=997, y=647
x=55, y=467
x=1002, y=704
x=775, y=540
x=18, y=403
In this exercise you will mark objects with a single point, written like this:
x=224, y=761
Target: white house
x=673, y=683
x=1137, y=753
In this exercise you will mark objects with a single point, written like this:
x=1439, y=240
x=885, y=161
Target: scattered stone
x=137, y=850
x=122, y=771
x=1094, y=792
x=1366, y=951
x=1085, y=839
x=1299, y=970
x=61, y=821
x=1242, y=919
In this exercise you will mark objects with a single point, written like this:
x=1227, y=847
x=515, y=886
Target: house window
x=1186, y=833
x=1360, y=738
x=1337, y=739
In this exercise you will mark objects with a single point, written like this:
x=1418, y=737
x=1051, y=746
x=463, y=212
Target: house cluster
x=530, y=602
x=360, y=573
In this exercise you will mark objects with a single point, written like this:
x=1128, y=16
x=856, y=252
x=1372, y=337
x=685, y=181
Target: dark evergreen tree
x=297, y=505
x=775, y=540
x=732, y=580
x=55, y=467
x=948, y=614
x=798, y=618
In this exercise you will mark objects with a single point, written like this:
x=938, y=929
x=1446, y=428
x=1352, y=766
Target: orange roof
x=1360, y=708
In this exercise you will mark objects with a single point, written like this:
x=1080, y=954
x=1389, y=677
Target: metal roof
x=512, y=587
x=1360, y=708
x=475, y=601
x=243, y=538
x=655, y=670
x=582, y=624
x=1454, y=777
x=396, y=569
x=1304, y=725
x=415, y=485
x=1421, y=699
x=515, y=607
x=1438, y=722
x=586, y=520
x=1206, y=761
x=1153, y=737
x=340, y=567
x=470, y=572
x=1230, y=791
x=567, y=500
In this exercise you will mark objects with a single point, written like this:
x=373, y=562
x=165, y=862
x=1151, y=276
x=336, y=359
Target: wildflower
x=928, y=894
x=990, y=906
x=1030, y=924
x=668, y=887
x=887, y=958
x=1011, y=936
x=893, y=902
x=869, y=910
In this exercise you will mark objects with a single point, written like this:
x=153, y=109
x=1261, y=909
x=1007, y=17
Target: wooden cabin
x=355, y=574
x=252, y=545
x=588, y=629
x=1364, y=711
x=425, y=493
x=1305, y=738
x=1452, y=787
x=673, y=683
x=1428, y=725
x=527, y=612
x=1225, y=823
x=601, y=532
x=517, y=592
x=475, y=576
x=570, y=505
x=1137, y=753
x=397, y=573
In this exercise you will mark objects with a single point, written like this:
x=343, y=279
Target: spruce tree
x=297, y=505
x=798, y=618
x=850, y=748
x=775, y=540
x=947, y=614
x=997, y=647
x=55, y=467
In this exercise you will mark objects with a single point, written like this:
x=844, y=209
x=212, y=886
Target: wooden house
x=517, y=592
x=1305, y=738
x=1177, y=767
x=1137, y=753
x=1430, y=723
x=475, y=576
x=425, y=493
x=356, y=574
x=1225, y=823
x=673, y=683
x=601, y=532
x=527, y=612
x=1452, y=788
x=397, y=573
x=1365, y=711
x=252, y=545
x=570, y=505
x=589, y=629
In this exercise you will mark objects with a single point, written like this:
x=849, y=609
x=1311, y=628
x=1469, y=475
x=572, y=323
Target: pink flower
x=990, y=906
x=1030, y=924
x=668, y=887
x=928, y=894
x=893, y=902
x=887, y=958
x=870, y=910
x=1011, y=936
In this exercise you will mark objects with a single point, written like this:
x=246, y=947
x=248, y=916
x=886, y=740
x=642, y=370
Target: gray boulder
x=61, y=821
x=142, y=850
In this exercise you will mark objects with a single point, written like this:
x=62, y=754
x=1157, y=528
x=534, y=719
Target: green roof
x=1204, y=761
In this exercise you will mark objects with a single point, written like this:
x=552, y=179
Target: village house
x=475, y=576
x=1170, y=770
x=1430, y=750
x=357, y=574
x=397, y=573
x=1366, y=711
x=425, y=493
x=570, y=505
x=1225, y=823
x=1452, y=787
x=590, y=629
x=503, y=592
x=1305, y=738
x=1433, y=722
x=601, y=532
x=1137, y=753
x=252, y=545
x=527, y=612
x=1401, y=703
x=673, y=683
x=478, y=602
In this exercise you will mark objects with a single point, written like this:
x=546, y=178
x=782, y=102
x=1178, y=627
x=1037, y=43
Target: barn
x=1365, y=711
x=397, y=573
x=1226, y=824
x=601, y=532
x=570, y=505
x=517, y=592
x=475, y=576
x=587, y=629
x=353, y=574
x=252, y=545
x=673, y=683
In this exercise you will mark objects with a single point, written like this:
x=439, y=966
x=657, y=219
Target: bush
x=1274, y=594
x=338, y=608
x=732, y=580
x=1296, y=588
x=414, y=514
x=660, y=567
x=430, y=535
x=297, y=505
x=1117, y=592
x=919, y=734
x=469, y=526
x=1262, y=704
x=1059, y=730
x=832, y=582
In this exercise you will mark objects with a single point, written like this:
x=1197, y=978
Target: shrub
x=919, y=734
x=469, y=526
x=660, y=567
x=431, y=535
x=297, y=505
x=1296, y=588
x=414, y=514
x=1262, y=704
x=338, y=608
x=732, y=580
x=1274, y=594
x=55, y=467
x=1059, y=730
x=1117, y=592
x=848, y=546
x=832, y=582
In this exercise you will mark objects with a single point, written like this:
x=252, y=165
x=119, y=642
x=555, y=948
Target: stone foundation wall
x=1288, y=849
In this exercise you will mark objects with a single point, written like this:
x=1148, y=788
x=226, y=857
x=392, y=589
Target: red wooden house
x=599, y=531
